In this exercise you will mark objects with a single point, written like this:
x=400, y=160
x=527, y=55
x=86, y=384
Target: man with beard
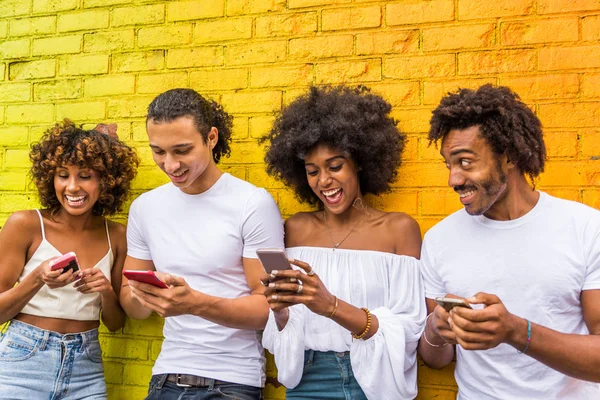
x=537, y=335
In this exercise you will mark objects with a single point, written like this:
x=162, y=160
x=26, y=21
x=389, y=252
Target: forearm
x=248, y=312
x=577, y=356
x=113, y=315
x=436, y=354
x=131, y=306
x=354, y=319
x=15, y=299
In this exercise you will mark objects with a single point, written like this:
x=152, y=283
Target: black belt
x=185, y=380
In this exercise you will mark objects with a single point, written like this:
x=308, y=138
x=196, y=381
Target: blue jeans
x=327, y=376
x=46, y=365
x=163, y=390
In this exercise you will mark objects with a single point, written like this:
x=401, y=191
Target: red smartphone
x=273, y=259
x=65, y=262
x=145, y=277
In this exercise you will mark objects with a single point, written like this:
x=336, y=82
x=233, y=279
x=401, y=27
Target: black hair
x=508, y=124
x=176, y=103
x=351, y=120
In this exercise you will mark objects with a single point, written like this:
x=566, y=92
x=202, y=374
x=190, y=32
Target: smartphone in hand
x=65, y=262
x=449, y=303
x=273, y=259
x=145, y=277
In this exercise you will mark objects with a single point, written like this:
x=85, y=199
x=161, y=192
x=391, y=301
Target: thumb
x=171, y=280
x=483, y=298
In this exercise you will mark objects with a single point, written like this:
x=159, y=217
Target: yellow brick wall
x=104, y=60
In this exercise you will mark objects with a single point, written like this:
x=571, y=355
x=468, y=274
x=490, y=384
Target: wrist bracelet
x=425, y=335
x=367, y=328
x=528, y=338
x=334, y=308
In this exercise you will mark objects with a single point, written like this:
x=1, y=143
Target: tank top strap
x=42, y=224
x=107, y=234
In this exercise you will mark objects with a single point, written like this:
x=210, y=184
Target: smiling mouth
x=75, y=201
x=332, y=196
x=177, y=176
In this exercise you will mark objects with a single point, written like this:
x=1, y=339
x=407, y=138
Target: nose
x=171, y=164
x=73, y=184
x=324, y=179
x=455, y=178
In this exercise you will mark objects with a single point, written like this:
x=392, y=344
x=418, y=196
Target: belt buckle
x=178, y=382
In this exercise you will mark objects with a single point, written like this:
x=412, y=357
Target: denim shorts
x=161, y=389
x=46, y=365
x=327, y=376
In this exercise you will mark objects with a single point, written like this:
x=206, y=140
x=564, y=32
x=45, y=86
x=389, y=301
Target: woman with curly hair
x=50, y=348
x=346, y=323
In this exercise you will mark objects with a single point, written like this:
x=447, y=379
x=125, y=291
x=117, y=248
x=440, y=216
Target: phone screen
x=273, y=259
x=65, y=262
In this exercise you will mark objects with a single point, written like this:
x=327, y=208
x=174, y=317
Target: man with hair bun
x=200, y=232
x=528, y=263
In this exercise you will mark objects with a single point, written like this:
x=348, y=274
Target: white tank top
x=65, y=302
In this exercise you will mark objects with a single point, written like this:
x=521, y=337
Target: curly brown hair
x=508, y=125
x=64, y=144
x=352, y=120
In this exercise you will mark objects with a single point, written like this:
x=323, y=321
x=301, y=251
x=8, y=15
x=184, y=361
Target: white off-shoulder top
x=390, y=286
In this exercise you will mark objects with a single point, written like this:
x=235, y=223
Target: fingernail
x=470, y=299
x=292, y=279
x=271, y=284
x=273, y=273
x=274, y=297
x=291, y=260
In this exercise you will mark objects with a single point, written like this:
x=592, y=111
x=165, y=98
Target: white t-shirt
x=203, y=238
x=538, y=265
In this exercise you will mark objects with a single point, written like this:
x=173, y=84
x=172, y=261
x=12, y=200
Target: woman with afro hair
x=50, y=348
x=345, y=323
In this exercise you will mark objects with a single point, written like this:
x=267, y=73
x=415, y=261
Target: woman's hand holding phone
x=93, y=280
x=55, y=278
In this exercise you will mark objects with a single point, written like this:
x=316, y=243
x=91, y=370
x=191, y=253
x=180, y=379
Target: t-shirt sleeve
x=262, y=226
x=136, y=243
x=434, y=286
x=592, y=276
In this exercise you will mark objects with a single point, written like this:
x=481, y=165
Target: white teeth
x=75, y=198
x=179, y=174
x=466, y=194
x=330, y=192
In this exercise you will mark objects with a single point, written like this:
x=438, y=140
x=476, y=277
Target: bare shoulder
x=298, y=226
x=20, y=231
x=407, y=233
x=26, y=221
x=117, y=229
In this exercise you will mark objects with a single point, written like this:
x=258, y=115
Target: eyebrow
x=177, y=146
x=459, y=151
x=328, y=160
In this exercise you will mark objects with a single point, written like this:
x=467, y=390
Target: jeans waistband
x=313, y=355
x=46, y=336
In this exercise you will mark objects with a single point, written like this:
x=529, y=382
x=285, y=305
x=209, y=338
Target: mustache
x=463, y=188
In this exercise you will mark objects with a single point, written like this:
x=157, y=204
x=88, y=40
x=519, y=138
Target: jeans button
x=340, y=354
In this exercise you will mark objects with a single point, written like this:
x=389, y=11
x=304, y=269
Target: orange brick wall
x=104, y=60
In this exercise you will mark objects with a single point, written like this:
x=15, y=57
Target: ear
x=213, y=137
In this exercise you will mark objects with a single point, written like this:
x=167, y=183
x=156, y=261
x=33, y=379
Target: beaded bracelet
x=528, y=338
x=334, y=308
x=367, y=328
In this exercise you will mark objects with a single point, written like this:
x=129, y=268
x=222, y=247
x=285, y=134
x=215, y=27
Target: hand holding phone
x=145, y=277
x=449, y=303
x=273, y=259
x=65, y=262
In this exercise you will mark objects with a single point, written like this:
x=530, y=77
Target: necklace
x=338, y=244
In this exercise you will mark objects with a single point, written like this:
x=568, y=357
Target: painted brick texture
x=104, y=60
